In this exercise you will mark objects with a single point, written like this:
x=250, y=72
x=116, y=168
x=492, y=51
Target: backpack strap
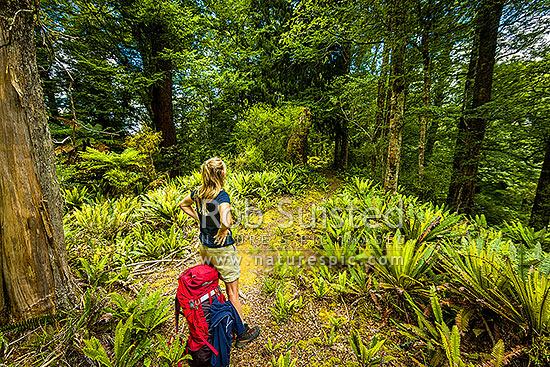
x=177, y=311
x=207, y=296
x=209, y=346
x=202, y=338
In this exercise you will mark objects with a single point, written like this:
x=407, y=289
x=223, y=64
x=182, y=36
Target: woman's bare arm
x=187, y=206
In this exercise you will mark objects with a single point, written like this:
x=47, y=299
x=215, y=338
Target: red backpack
x=197, y=289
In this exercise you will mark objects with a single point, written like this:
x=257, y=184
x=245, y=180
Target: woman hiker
x=217, y=244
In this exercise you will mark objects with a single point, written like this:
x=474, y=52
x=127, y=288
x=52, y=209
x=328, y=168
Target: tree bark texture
x=151, y=41
x=426, y=101
x=34, y=274
x=381, y=94
x=473, y=122
x=341, y=67
x=341, y=145
x=540, y=214
x=161, y=102
x=397, y=101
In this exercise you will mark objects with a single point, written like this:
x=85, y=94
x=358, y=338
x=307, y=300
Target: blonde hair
x=212, y=172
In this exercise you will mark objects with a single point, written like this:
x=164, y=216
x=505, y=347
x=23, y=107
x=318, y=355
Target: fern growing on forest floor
x=285, y=305
x=366, y=355
x=403, y=263
x=283, y=361
x=129, y=348
x=148, y=310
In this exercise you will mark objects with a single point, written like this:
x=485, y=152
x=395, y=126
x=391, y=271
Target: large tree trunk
x=540, y=215
x=151, y=41
x=381, y=95
x=34, y=276
x=341, y=146
x=471, y=128
x=397, y=102
x=161, y=103
x=427, y=63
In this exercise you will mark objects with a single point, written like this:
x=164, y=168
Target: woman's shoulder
x=194, y=193
x=223, y=197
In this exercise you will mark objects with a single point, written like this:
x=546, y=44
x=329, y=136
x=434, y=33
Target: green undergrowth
x=461, y=292
x=398, y=282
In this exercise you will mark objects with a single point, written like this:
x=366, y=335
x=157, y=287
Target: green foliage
x=285, y=305
x=451, y=344
x=533, y=296
x=75, y=197
x=479, y=270
x=270, y=285
x=129, y=350
x=147, y=142
x=403, y=263
x=91, y=311
x=342, y=248
x=359, y=186
x=321, y=288
x=283, y=270
x=103, y=221
x=359, y=281
x=428, y=223
x=151, y=244
x=96, y=272
x=333, y=321
x=539, y=351
x=271, y=348
x=149, y=311
x=3, y=347
x=435, y=334
x=364, y=354
x=28, y=324
x=119, y=173
x=240, y=185
x=169, y=353
x=330, y=338
x=263, y=135
x=283, y=361
x=521, y=234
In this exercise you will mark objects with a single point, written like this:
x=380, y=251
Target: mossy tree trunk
x=296, y=150
x=380, y=120
x=34, y=275
x=162, y=99
x=426, y=101
x=397, y=102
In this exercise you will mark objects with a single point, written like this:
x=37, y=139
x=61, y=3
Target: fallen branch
x=72, y=123
x=62, y=141
x=164, y=260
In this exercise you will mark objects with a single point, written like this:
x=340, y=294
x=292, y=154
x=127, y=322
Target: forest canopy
x=392, y=88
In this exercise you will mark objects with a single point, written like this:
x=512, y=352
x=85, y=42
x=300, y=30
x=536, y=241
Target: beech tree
x=540, y=215
x=34, y=275
x=397, y=102
x=473, y=122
